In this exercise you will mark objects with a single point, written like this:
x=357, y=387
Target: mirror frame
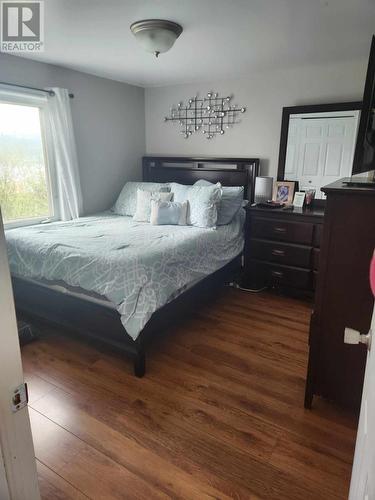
x=311, y=108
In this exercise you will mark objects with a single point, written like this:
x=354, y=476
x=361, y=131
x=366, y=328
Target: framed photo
x=310, y=195
x=283, y=192
x=299, y=199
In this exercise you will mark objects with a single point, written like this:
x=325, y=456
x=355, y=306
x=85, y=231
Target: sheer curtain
x=63, y=150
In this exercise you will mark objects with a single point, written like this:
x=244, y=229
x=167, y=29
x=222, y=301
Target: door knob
x=354, y=337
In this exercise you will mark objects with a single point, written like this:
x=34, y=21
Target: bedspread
x=136, y=266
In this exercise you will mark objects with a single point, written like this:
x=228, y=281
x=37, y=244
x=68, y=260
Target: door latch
x=354, y=337
x=20, y=397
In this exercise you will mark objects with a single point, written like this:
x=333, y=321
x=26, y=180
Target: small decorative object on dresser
x=282, y=249
x=299, y=199
x=263, y=189
x=283, y=192
x=310, y=195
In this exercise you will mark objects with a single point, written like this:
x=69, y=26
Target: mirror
x=317, y=144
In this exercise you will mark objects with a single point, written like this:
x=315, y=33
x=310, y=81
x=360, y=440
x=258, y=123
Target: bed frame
x=101, y=323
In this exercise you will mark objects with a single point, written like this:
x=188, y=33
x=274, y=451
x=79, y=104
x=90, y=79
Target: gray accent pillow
x=126, y=203
x=144, y=199
x=169, y=212
x=230, y=203
x=203, y=202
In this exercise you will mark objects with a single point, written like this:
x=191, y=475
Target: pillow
x=126, y=203
x=144, y=198
x=231, y=201
x=203, y=204
x=180, y=192
x=168, y=212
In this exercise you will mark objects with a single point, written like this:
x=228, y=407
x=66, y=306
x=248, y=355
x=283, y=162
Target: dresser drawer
x=266, y=274
x=294, y=232
x=283, y=253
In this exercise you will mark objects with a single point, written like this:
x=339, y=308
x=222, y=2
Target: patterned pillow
x=126, y=203
x=231, y=202
x=144, y=198
x=203, y=204
x=169, y=212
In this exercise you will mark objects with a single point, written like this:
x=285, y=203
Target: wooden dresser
x=282, y=249
x=343, y=296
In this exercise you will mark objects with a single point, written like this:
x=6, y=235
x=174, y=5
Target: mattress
x=135, y=266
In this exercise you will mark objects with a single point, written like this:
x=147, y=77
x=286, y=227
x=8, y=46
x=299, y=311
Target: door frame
x=16, y=444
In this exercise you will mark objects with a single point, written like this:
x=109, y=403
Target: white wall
x=264, y=95
x=108, y=120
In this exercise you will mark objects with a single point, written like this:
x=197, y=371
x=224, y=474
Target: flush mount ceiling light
x=156, y=35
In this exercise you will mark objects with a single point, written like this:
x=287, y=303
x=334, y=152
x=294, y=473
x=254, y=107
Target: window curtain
x=63, y=149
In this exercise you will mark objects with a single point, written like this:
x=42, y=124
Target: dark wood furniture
x=343, y=296
x=282, y=249
x=98, y=322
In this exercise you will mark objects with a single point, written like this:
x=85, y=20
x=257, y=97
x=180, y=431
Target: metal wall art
x=209, y=115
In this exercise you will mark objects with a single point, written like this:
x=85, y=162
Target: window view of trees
x=23, y=182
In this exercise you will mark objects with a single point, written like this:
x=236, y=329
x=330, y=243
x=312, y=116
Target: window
x=26, y=188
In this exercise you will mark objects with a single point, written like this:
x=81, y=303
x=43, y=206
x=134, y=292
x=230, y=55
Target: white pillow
x=126, y=203
x=180, y=192
x=169, y=212
x=203, y=205
x=203, y=202
x=144, y=198
x=231, y=202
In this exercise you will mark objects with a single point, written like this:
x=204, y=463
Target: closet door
x=325, y=150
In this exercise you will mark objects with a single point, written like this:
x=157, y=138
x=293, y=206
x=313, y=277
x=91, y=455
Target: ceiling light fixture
x=156, y=35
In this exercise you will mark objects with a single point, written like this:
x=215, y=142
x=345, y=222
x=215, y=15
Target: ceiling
x=221, y=38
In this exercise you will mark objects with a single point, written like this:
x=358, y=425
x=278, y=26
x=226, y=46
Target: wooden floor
x=218, y=415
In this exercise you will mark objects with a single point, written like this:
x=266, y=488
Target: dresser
x=343, y=296
x=282, y=249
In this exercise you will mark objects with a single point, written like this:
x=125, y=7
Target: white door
x=4, y=490
x=362, y=486
x=320, y=148
x=17, y=467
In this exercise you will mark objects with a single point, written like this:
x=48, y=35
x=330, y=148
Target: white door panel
x=333, y=159
x=310, y=159
x=291, y=160
x=16, y=445
x=320, y=149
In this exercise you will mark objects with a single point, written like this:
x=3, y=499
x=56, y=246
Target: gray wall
x=264, y=95
x=111, y=119
x=109, y=125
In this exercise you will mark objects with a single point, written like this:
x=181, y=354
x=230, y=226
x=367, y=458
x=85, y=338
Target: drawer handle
x=277, y=274
x=278, y=253
x=279, y=229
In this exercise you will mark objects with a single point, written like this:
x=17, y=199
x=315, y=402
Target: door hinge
x=20, y=397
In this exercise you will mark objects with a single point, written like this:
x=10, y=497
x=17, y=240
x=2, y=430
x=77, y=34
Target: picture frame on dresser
x=283, y=192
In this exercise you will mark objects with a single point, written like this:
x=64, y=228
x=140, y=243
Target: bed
x=121, y=281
